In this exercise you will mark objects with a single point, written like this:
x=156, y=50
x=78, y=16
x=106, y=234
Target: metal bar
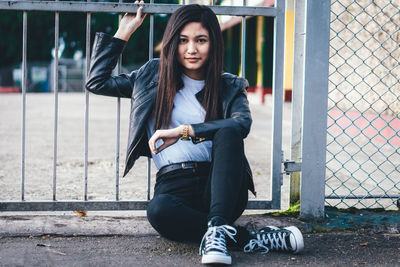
x=151, y=35
x=148, y=177
x=55, y=84
x=151, y=55
x=279, y=50
x=88, y=21
x=316, y=73
x=128, y=7
x=297, y=95
x=117, y=143
x=362, y=197
x=259, y=205
x=243, y=46
x=24, y=84
x=71, y=205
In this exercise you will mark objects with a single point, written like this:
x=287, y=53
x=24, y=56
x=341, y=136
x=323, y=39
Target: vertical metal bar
x=88, y=21
x=24, y=84
x=279, y=49
x=316, y=73
x=151, y=52
x=55, y=84
x=151, y=35
x=117, y=144
x=148, y=177
x=243, y=44
x=213, y=2
x=297, y=95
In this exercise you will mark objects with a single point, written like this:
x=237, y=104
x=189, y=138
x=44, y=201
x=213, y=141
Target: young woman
x=191, y=118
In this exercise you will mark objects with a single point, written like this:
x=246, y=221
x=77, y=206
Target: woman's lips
x=192, y=60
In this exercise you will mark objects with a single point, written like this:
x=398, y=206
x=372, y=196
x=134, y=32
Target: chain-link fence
x=363, y=142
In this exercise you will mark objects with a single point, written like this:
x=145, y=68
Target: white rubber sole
x=216, y=259
x=296, y=239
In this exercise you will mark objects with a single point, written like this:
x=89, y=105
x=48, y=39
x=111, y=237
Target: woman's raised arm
x=105, y=55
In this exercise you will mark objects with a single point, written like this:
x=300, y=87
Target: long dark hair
x=170, y=69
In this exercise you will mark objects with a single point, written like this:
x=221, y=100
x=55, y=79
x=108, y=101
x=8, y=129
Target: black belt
x=195, y=166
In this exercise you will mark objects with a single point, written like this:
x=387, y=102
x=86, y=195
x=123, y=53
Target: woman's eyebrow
x=197, y=36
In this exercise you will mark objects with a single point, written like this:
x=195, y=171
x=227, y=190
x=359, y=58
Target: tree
x=73, y=31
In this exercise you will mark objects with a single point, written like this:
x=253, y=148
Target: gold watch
x=185, y=133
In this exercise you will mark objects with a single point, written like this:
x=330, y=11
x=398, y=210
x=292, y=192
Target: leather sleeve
x=105, y=54
x=237, y=116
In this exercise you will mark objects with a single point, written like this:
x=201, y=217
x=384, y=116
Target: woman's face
x=194, y=45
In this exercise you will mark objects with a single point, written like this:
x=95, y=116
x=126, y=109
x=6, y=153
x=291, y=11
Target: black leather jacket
x=141, y=86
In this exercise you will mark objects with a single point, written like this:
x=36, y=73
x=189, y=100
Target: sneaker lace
x=266, y=242
x=215, y=238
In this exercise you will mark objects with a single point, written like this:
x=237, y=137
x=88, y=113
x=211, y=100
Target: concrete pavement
x=127, y=239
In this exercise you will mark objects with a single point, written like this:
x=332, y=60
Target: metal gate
x=277, y=12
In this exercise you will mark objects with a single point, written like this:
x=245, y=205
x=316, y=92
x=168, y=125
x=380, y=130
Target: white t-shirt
x=187, y=110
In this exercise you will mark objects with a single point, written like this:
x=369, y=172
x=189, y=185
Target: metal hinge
x=291, y=166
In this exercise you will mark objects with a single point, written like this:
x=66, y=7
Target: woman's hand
x=130, y=23
x=169, y=137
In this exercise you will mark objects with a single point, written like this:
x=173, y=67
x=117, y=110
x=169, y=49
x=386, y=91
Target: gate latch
x=291, y=166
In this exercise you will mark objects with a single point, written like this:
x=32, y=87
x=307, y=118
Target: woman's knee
x=228, y=139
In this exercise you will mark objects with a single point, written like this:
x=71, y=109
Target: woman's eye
x=202, y=40
x=182, y=40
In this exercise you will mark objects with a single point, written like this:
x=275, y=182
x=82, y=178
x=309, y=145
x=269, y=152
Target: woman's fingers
x=152, y=142
x=168, y=137
x=130, y=23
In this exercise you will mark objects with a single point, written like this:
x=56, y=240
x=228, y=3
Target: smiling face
x=193, y=50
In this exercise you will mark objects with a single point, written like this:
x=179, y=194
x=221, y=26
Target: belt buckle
x=188, y=165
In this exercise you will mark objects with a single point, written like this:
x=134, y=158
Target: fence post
x=297, y=95
x=316, y=72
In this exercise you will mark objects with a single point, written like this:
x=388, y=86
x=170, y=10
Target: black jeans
x=185, y=200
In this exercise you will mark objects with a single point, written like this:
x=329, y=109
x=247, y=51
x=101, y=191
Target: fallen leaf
x=395, y=235
x=43, y=245
x=1, y=236
x=398, y=248
x=364, y=244
x=45, y=236
x=81, y=213
x=169, y=250
x=57, y=252
x=293, y=258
